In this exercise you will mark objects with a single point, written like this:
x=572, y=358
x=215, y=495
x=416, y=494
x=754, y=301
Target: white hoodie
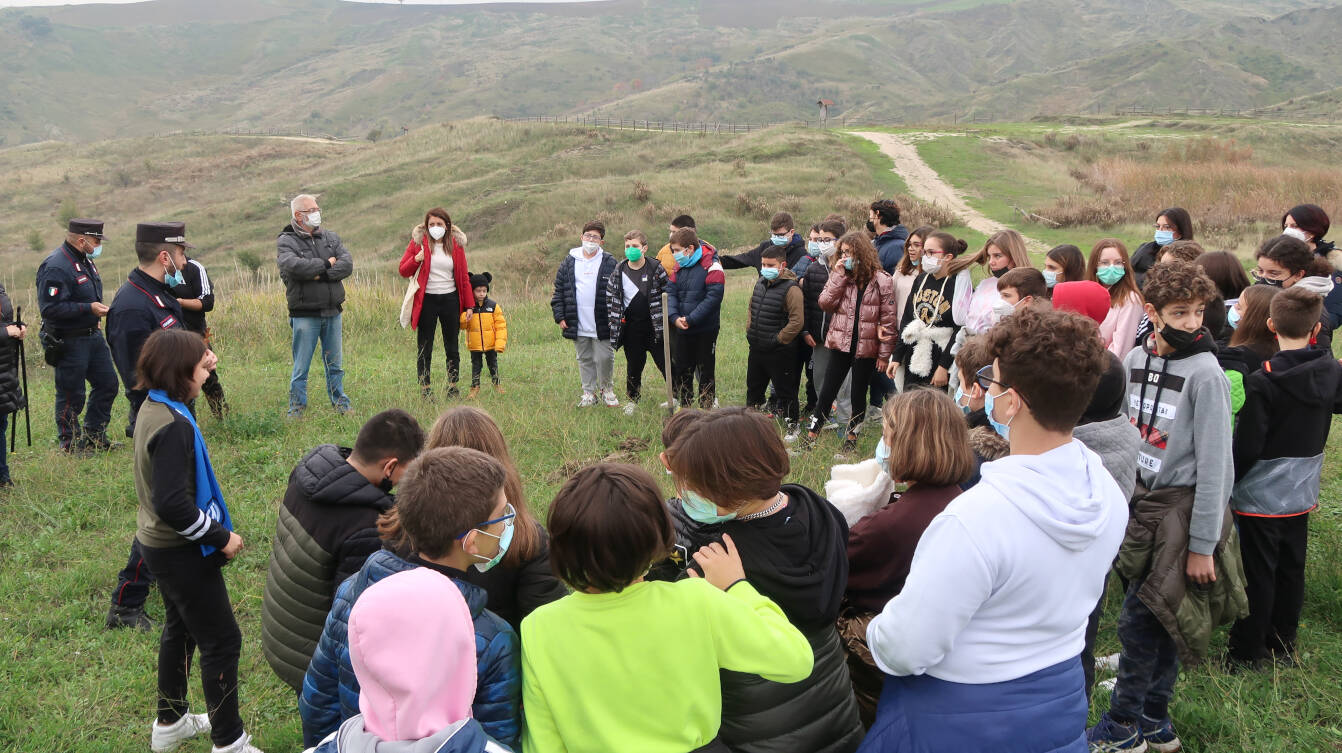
x=1004, y=579
x=586, y=270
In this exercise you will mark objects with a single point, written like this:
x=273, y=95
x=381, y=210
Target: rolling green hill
x=329, y=66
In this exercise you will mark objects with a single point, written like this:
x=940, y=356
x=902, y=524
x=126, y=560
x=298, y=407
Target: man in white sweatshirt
x=1003, y=581
x=580, y=309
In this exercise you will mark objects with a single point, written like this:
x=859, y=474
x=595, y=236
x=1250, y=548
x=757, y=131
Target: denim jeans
x=1148, y=666
x=307, y=330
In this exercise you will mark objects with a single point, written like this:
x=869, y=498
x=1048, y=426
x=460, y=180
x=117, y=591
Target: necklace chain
x=766, y=512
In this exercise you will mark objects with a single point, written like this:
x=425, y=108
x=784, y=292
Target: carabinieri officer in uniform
x=144, y=304
x=69, y=295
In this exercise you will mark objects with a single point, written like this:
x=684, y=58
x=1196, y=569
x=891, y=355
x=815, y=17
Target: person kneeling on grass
x=580, y=309
x=413, y=650
x=981, y=645
x=627, y=665
x=186, y=536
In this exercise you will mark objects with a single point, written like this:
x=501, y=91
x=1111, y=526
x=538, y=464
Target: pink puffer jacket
x=878, y=310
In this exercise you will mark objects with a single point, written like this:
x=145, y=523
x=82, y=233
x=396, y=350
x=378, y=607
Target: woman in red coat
x=436, y=257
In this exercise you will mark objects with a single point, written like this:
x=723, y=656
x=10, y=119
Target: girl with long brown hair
x=928, y=325
x=1109, y=266
x=861, y=297
x=1003, y=252
x=436, y=260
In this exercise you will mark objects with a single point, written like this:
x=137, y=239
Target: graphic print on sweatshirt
x=1154, y=408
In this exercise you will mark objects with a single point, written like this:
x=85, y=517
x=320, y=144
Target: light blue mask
x=1050, y=278
x=1164, y=237
x=1232, y=317
x=96, y=252
x=689, y=260
x=883, y=455
x=780, y=240
x=848, y=264
x=961, y=399
x=813, y=248
x=701, y=510
x=505, y=541
x=769, y=273
x=1003, y=429
x=916, y=263
x=174, y=279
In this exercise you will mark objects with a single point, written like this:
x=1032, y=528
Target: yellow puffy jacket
x=487, y=329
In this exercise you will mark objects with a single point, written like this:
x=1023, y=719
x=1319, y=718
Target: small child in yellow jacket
x=486, y=333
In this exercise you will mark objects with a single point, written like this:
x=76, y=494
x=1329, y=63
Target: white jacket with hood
x=1004, y=579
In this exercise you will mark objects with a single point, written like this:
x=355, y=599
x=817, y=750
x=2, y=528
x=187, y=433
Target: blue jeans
x=307, y=330
x=1148, y=667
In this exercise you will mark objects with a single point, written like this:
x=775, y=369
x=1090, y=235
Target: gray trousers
x=596, y=362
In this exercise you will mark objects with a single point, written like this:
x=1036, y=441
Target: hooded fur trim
x=1335, y=258
x=988, y=444
x=417, y=234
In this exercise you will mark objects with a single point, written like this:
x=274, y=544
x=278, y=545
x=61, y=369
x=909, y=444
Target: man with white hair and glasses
x=312, y=262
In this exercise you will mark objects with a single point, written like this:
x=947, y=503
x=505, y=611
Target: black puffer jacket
x=813, y=275
x=312, y=285
x=564, y=301
x=11, y=395
x=516, y=591
x=798, y=558
x=1142, y=260
x=326, y=529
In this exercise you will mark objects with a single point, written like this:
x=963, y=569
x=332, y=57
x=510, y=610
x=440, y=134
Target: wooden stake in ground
x=666, y=354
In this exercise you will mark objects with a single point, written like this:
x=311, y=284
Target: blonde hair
x=928, y=438
x=1009, y=241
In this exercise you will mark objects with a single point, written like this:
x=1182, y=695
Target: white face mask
x=590, y=247
x=314, y=219
x=827, y=248
x=1296, y=233
x=437, y=231
x=931, y=264
x=1003, y=309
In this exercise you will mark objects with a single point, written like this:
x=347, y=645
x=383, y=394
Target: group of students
x=744, y=613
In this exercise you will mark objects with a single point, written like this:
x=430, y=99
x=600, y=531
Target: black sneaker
x=849, y=444
x=128, y=617
x=452, y=391
x=97, y=443
x=426, y=392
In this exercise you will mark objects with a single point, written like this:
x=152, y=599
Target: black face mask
x=386, y=484
x=1000, y=272
x=871, y=226
x=1179, y=339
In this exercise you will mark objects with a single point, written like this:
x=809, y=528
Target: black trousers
x=639, y=341
x=197, y=615
x=840, y=363
x=438, y=310
x=134, y=580
x=777, y=367
x=489, y=356
x=691, y=354
x=1273, y=552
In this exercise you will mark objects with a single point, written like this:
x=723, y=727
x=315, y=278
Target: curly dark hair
x=1053, y=359
x=1176, y=282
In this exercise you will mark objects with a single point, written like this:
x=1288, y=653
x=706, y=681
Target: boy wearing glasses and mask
x=450, y=515
x=582, y=312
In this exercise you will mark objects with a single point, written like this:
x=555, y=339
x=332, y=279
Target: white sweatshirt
x=1004, y=579
x=585, y=274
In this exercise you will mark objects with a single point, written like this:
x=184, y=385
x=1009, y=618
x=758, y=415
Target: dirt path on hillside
x=924, y=183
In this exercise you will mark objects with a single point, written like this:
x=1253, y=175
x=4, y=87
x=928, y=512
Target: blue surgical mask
x=883, y=455
x=701, y=510
x=1003, y=429
x=915, y=263
x=505, y=541
x=780, y=240
x=1164, y=237
x=96, y=252
x=769, y=273
x=1050, y=278
x=1232, y=317
x=175, y=278
x=848, y=264
x=813, y=248
x=962, y=400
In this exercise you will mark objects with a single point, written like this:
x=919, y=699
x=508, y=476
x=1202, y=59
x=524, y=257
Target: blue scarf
x=698, y=255
x=209, y=498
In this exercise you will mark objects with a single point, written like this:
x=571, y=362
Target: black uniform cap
x=92, y=228
x=162, y=232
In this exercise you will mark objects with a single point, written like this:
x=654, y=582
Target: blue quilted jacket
x=331, y=691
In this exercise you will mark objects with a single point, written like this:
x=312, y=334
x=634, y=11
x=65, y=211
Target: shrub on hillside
x=35, y=240
x=67, y=211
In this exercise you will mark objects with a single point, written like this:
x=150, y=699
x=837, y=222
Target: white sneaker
x=1106, y=684
x=168, y=737
x=241, y=745
x=715, y=403
x=587, y=401
x=1106, y=663
x=664, y=404
x=609, y=398
x=630, y=409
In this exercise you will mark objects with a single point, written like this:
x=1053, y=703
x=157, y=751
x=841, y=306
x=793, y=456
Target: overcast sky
x=31, y=3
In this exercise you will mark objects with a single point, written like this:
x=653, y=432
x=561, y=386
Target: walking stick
x=23, y=371
x=666, y=355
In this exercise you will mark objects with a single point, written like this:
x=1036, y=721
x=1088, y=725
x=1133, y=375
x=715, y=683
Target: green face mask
x=633, y=253
x=1110, y=274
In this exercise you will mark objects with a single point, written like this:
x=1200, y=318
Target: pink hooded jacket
x=412, y=644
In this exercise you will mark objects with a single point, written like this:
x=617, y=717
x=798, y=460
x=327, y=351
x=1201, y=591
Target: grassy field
x=70, y=685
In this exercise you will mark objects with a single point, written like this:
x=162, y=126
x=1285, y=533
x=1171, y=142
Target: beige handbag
x=408, y=304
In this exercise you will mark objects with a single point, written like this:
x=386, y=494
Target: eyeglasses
x=591, y=237
x=509, y=514
x=984, y=378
